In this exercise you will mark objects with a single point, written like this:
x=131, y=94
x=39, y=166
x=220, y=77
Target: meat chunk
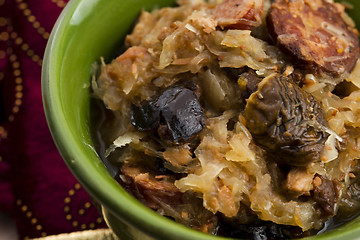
x=239, y=14
x=150, y=189
x=287, y=121
x=158, y=192
x=134, y=61
x=299, y=180
x=178, y=156
x=314, y=32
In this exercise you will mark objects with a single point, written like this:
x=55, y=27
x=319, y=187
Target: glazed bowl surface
x=86, y=31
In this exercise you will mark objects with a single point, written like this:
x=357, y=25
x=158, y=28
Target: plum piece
x=325, y=196
x=145, y=117
x=176, y=115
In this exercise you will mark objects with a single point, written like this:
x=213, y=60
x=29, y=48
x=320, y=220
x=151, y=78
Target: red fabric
x=36, y=187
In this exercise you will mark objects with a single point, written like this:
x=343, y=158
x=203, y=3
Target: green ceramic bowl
x=86, y=30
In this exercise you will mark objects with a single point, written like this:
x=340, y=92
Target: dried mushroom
x=286, y=120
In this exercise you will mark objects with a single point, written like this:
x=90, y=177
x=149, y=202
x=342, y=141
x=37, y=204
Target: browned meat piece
x=239, y=14
x=151, y=190
x=178, y=156
x=314, y=32
x=159, y=193
x=299, y=181
x=325, y=195
x=287, y=121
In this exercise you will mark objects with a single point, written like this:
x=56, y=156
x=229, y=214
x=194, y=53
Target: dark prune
x=286, y=121
x=261, y=230
x=145, y=117
x=176, y=115
x=181, y=114
x=249, y=83
x=325, y=196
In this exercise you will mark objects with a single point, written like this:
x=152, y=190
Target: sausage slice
x=314, y=32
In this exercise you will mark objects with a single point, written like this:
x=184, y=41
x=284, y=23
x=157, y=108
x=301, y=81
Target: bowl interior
x=85, y=31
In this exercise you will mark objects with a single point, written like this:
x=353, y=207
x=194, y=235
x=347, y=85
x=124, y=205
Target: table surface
x=99, y=234
x=8, y=231
x=7, y=228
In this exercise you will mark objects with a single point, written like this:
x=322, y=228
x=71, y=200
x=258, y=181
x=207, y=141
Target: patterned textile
x=36, y=187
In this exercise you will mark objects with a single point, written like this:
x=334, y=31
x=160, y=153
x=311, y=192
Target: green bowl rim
x=150, y=222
